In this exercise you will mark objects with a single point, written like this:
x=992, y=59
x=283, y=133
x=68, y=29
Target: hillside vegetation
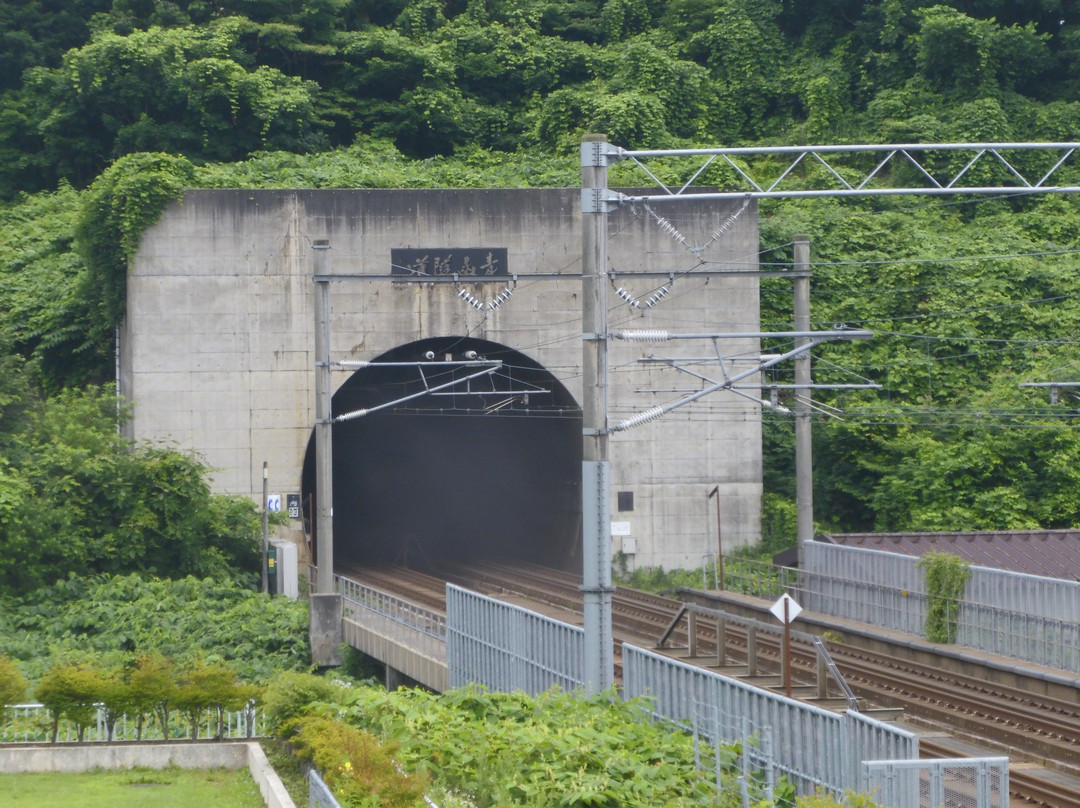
x=109, y=109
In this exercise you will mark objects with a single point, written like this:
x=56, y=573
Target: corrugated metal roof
x=1051, y=553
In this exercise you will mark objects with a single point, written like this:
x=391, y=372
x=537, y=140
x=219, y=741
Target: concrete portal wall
x=217, y=347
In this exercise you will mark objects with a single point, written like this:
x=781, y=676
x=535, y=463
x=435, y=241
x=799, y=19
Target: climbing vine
x=946, y=577
x=127, y=198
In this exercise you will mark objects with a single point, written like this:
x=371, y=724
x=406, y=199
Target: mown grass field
x=131, y=788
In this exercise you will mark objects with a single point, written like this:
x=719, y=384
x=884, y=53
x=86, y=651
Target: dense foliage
x=488, y=749
x=114, y=621
x=108, y=109
x=76, y=497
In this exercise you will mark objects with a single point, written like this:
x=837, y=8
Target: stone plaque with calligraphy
x=465, y=262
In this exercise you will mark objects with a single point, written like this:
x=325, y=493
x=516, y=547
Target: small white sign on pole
x=793, y=608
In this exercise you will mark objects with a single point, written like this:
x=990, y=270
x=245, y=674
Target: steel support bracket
x=599, y=153
x=599, y=200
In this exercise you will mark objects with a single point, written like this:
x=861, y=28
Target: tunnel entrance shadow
x=488, y=470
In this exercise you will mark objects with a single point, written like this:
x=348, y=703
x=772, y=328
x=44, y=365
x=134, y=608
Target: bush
x=292, y=694
x=358, y=768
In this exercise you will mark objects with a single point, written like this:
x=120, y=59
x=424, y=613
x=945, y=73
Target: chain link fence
x=960, y=783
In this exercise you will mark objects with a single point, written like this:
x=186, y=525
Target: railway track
x=1007, y=719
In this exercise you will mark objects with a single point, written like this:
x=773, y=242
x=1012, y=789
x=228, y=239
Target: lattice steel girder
x=847, y=170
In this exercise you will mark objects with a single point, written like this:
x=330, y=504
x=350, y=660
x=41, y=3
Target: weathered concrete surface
x=324, y=623
x=398, y=648
x=76, y=758
x=217, y=347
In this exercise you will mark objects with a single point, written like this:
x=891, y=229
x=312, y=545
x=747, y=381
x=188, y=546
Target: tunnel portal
x=486, y=470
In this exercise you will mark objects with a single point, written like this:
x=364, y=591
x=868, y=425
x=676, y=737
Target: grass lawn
x=131, y=788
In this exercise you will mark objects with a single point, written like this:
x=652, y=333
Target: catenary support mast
x=804, y=470
x=596, y=482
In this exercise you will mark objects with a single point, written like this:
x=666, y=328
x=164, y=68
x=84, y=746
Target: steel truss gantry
x=941, y=169
x=849, y=170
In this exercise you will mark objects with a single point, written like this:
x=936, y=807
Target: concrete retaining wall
x=86, y=757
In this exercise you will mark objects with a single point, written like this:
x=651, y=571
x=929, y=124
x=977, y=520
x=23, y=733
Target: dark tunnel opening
x=486, y=470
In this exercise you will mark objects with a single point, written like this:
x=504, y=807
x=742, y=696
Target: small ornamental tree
x=946, y=577
x=152, y=691
x=71, y=691
x=116, y=698
x=12, y=683
x=215, y=687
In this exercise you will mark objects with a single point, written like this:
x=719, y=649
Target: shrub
x=358, y=768
x=293, y=694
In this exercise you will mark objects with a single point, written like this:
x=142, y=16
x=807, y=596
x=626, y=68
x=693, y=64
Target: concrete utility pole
x=324, y=447
x=596, y=470
x=325, y=606
x=804, y=466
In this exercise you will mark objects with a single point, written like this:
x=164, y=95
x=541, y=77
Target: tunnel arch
x=489, y=469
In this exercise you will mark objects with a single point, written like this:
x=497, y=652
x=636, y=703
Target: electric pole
x=596, y=468
x=804, y=468
x=324, y=428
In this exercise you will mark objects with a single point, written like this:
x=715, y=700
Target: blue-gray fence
x=1025, y=617
x=812, y=746
x=507, y=648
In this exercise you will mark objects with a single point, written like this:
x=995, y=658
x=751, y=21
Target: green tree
x=116, y=699
x=13, y=684
x=152, y=690
x=122, y=619
x=210, y=686
x=78, y=498
x=189, y=90
x=71, y=691
x=39, y=33
x=967, y=58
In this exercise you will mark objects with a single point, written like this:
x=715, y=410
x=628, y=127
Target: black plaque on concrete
x=441, y=262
